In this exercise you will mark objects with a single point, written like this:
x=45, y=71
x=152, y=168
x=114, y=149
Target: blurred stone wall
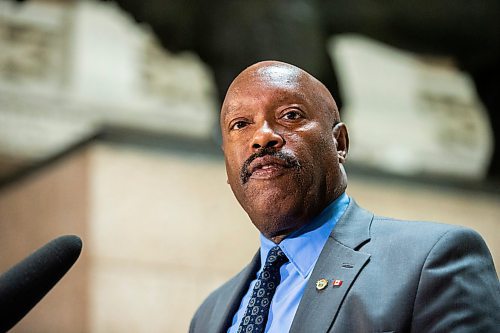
x=409, y=114
x=68, y=69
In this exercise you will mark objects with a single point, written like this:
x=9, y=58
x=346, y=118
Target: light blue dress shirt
x=302, y=248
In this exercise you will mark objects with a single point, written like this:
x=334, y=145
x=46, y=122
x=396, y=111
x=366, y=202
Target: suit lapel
x=339, y=260
x=229, y=302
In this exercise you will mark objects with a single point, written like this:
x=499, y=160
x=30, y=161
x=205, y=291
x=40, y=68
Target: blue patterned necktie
x=255, y=317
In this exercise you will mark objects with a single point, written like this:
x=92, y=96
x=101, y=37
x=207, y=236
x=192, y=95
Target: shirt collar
x=303, y=246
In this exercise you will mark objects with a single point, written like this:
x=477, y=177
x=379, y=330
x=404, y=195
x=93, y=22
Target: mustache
x=289, y=160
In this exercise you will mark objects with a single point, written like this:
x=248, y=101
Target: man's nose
x=265, y=137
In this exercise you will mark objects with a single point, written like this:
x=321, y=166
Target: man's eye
x=239, y=125
x=292, y=115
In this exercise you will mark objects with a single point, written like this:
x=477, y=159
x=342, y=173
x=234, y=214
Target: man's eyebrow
x=229, y=109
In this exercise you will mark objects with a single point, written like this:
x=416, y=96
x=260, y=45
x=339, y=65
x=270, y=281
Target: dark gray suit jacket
x=398, y=276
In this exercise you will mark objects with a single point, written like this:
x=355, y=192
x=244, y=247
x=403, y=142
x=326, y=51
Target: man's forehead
x=272, y=94
x=280, y=79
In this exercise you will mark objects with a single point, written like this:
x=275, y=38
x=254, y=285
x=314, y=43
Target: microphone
x=27, y=282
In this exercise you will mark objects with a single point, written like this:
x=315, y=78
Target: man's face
x=280, y=147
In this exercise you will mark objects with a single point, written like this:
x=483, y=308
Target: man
x=325, y=264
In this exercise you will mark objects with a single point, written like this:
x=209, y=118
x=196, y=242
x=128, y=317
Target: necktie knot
x=275, y=258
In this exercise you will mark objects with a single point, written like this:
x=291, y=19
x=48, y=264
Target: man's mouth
x=266, y=167
x=266, y=164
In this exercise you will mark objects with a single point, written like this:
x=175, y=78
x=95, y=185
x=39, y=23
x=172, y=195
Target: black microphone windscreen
x=27, y=282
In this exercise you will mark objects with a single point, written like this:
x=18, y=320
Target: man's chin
x=272, y=200
x=269, y=188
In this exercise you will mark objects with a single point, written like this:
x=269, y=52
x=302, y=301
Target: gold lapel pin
x=321, y=284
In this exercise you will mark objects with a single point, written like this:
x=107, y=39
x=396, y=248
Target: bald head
x=280, y=75
x=283, y=145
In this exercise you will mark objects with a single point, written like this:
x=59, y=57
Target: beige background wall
x=162, y=229
x=48, y=204
x=165, y=231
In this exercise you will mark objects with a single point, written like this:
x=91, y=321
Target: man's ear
x=341, y=137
